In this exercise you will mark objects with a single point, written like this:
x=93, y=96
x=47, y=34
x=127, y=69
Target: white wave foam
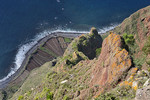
x=20, y=56
x=105, y=29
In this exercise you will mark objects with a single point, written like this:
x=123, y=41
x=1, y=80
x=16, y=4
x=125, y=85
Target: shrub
x=119, y=93
x=125, y=35
x=107, y=96
x=146, y=48
x=20, y=97
x=130, y=36
x=73, y=60
x=98, y=51
x=85, y=43
x=67, y=40
x=74, y=46
x=49, y=96
x=129, y=39
x=3, y=95
x=82, y=38
x=65, y=97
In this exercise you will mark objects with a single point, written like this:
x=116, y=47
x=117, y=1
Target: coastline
x=21, y=71
x=21, y=55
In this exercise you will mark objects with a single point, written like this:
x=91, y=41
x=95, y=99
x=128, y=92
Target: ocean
x=23, y=22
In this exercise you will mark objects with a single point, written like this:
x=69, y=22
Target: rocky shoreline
x=22, y=73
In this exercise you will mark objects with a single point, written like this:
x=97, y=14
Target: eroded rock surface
x=86, y=44
x=112, y=63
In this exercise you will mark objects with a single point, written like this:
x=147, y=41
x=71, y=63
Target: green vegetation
x=3, y=95
x=139, y=61
x=49, y=96
x=98, y=51
x=52, y=88
x=133, y=49
x=132, y=25
x=144, y=29
x=8, y=92
x=129, y=25
x=72, y=59
x=20, y=97
x=134, y=19
x=48, y=51
x=92, y=42
x=146, y=48
x=32, y=81
x=64, y=91
x=45, y=94
x=66, y=97
x=107, y=96
x=63, y=81
x=129, y=39
x=84, y=47
x=67, y=40
x=71, y=76
x=119, y=93
x=130, y=44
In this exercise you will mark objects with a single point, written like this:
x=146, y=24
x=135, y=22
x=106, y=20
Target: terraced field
x=45, y=50
x=51, y=49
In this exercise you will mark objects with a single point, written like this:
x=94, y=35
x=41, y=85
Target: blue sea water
x=22, y=20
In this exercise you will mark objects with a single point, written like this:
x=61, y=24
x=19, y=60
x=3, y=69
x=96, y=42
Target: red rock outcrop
x=112, y=63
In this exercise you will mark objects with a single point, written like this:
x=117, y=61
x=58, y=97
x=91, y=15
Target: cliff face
x=137, y=24
x=85, y=79
x=88, y=78
x=82, y=48
x=112, y=63
x=71, y=74
x=86, y=43
x=116, y=74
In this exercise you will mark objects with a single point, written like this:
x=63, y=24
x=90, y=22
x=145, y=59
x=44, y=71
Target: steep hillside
x=116, y=68
x=71, y=73
x=47, y=49
x=112, y=63
x=137, y=24
x=77, y=76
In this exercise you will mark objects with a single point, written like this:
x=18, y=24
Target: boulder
x=143, y=93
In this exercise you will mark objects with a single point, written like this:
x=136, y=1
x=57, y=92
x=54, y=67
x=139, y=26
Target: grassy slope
x=47, y=80
x=134, y=25
x=77, y=80
x=33, y=80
